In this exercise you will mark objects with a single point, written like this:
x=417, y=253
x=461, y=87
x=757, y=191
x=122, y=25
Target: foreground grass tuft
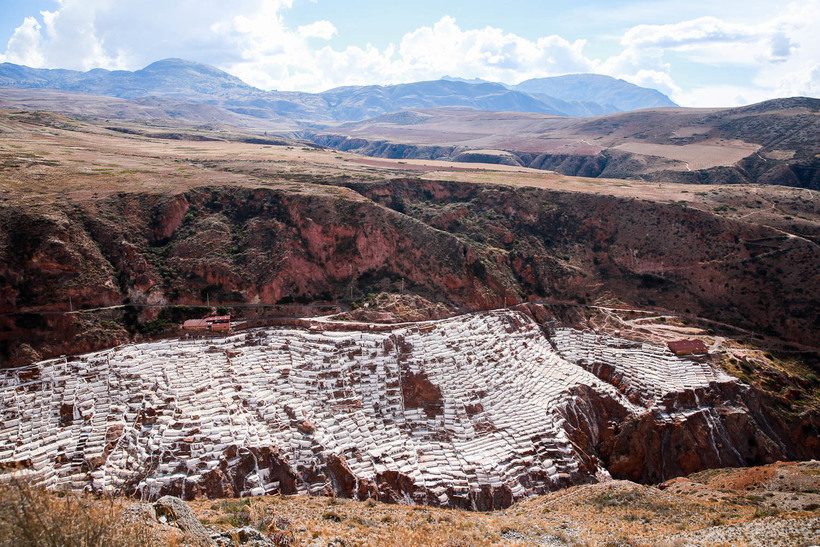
x=32, y=517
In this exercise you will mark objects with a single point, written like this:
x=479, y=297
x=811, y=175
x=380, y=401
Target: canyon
x=503, y=329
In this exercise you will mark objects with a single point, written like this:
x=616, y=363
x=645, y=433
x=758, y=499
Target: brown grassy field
x=774, y=505
x=771, y=142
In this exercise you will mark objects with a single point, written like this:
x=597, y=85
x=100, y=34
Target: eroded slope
x=474, y=412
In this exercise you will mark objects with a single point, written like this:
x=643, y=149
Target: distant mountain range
x=577, y=95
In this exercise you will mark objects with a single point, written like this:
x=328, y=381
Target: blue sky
x=701, y=53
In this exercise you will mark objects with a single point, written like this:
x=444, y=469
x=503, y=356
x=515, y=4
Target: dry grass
x=31, y=517
x=324, y=521
x=705, y=509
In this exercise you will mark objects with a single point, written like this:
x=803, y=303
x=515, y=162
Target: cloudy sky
x=699, y=52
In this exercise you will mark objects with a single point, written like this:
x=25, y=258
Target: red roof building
x=195, y=324
x=215, y=322
x=688, y=347
x=219, y=322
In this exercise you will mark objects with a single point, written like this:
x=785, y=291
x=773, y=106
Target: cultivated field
x=696, y=156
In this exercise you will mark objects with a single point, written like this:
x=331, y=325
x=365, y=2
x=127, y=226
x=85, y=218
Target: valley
x=469, y=332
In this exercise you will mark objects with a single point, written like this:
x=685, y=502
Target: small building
x=219, y=322
x=213, y=323
x=195, y=324
x=688, y=347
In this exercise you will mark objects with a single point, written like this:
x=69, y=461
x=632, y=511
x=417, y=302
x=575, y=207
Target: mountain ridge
x=198, y=82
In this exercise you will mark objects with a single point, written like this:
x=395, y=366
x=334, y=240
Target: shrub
x=766, y=512
x=330, y=515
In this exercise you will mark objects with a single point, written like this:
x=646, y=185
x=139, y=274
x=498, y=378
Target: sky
x=699, y=52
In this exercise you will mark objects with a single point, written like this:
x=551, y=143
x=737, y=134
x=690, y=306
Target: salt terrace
x=437, y=412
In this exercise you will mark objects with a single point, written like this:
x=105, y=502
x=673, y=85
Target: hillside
x=358, y=103
x=142, y=219
x=770, y=143
x=447, y=413
x=144, y=115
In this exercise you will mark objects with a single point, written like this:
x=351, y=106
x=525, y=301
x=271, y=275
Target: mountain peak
x=191, y=71
x=597, y=88
x=467, y=80
x=174, y=63
x=171, y=61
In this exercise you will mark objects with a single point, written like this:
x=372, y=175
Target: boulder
x=172, y=510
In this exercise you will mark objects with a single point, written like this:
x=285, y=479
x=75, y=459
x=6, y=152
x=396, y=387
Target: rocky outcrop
x=167, y=218
x=609, y=163
x=386, y=149
x=567, y=164
x=716, y=424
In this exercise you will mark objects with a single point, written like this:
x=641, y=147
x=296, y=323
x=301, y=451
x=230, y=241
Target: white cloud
x=721, y=95
x=710, y=40
x=424, y=54
x=274, y=57
x=488, y=53
x=23, y=47
x=72, y=37
x=782, y=52
x=129, y=34
x=656, y=80
x=805, y=81
x=251, y=39
x=320, y=29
